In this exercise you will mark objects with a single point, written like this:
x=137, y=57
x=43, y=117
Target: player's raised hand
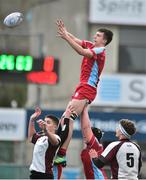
x=42, y=124
x=93, y=153
x=60, y=23
x=36, y=114
x=61, y=32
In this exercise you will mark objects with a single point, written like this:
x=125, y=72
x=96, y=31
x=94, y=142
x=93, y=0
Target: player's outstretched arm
x=78, y=41
x=86, y=125
x=31, y=127
x=63, y=33
x=60, y=23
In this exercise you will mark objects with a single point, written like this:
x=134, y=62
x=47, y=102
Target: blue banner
x=107, y=122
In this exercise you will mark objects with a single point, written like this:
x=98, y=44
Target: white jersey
x=43, y=154
x=125, y=159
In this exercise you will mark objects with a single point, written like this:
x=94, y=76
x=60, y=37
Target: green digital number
x=24, y=63
x=20, y=64
x=17, y=63
x=28, y=63
x=7, y=62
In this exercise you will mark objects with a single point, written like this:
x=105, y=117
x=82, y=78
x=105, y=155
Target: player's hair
x=54, y=119
x=129, y=126
x=108, y=35
x=97, y=133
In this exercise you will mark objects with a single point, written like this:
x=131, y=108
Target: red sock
x=62, y=152
x=59, y=168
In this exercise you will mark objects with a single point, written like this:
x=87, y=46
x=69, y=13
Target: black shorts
x=39, y=175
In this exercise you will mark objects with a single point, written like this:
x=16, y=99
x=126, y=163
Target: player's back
x=128, y=159
x=90, y=170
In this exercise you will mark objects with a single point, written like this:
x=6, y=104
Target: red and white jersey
x=92, y=68
x=124, y=157
x=43, y=154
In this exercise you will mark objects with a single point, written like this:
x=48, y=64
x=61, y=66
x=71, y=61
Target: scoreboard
x=28, y=69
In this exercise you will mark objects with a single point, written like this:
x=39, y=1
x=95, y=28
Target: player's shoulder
x=111, y=148
x=88, y=44
x=113, y=144
x=99, y=50
x=57, y=136
x=137, y=145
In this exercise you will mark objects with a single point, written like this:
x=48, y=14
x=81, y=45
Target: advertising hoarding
x=122, y=12
x=121, y=90
x=12, y=124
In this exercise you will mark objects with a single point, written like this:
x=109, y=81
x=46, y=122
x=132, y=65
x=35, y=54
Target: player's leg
x=78, y=106
x=57, y=171
x=67, y=141
x=61, y=155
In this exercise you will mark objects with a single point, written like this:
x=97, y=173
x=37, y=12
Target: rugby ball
x=13, y=19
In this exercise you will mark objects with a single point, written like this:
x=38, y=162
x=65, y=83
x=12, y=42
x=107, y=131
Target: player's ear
x=55, y=127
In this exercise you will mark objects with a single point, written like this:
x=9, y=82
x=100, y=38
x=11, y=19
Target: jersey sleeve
x=87, y=44
x=97, y=51
x=109, y=153
x=106, y=156
x=140, y=157
x=35, y=137
x=58, y=138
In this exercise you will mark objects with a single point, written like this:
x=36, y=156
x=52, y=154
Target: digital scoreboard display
x=16, y=63
x=20, y=69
